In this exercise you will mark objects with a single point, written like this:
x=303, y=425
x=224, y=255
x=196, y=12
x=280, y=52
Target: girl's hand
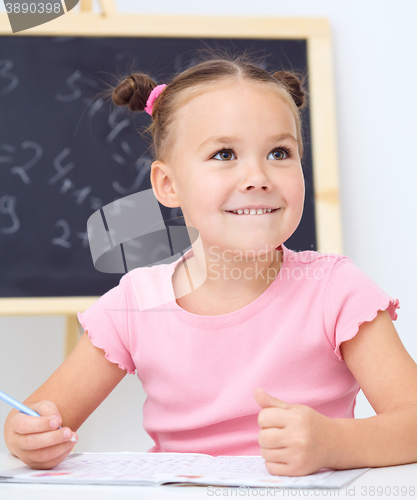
x=292, y=437
x=37, y=441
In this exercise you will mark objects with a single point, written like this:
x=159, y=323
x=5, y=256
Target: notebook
x=153, y=469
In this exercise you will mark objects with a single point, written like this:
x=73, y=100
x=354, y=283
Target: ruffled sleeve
x=106, y=322
x=352, y=298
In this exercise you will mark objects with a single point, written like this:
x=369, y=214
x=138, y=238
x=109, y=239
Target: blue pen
x=19, y=406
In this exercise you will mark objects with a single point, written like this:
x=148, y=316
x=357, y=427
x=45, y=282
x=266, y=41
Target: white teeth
x=252, y=211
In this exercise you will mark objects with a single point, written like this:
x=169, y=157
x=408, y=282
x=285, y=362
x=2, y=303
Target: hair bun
x=133, y=91
x=293, y=83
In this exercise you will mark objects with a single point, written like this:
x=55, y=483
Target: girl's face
x=236, y=147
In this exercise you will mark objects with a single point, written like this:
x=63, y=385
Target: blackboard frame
x=315, y=31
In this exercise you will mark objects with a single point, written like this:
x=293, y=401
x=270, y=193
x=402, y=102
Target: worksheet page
x=162, y=468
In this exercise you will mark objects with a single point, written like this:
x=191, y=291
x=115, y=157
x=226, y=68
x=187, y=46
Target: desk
x=404, y=476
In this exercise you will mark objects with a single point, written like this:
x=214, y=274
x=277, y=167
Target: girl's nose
x=255, y=177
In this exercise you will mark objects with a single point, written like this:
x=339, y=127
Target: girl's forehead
x=222, y=101
x=237, y=104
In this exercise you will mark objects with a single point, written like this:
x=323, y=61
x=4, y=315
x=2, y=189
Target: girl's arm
x=297, y=440
x=387, y=375
x=75, y=390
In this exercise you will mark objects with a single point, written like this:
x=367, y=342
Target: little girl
x=257, y=349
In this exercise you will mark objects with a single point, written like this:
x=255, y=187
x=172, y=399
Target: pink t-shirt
x=200, y=372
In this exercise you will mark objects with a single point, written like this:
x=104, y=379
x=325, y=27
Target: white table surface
x=382, y=482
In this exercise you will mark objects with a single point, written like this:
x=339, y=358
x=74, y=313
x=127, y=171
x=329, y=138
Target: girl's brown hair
x=134, y=90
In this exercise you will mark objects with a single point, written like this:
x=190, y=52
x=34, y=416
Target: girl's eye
x=278, y=154
x=225, y=154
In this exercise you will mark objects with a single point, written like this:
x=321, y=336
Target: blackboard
x=65, y=153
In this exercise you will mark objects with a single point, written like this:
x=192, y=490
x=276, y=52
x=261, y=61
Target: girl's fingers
x=25, y=424
x=272, y=438
x=49, y=457
x=274, y=417
x=50, y=439
x=278, y=455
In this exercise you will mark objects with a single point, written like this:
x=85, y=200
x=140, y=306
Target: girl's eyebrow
x=227, y=140
x=218, y=140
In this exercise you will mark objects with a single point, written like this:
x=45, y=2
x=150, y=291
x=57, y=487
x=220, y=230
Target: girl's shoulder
x=149, y=287
x=326, y=261
x=310, y=256
x=337, y=274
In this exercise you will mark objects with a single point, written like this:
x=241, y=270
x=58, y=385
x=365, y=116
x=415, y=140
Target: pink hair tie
x=152, y=96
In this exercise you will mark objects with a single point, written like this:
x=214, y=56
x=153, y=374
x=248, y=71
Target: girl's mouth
x=253, y=211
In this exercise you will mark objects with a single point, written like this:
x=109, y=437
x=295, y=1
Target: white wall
x=377, y=131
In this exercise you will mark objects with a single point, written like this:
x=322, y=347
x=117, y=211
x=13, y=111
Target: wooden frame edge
x=324, y=146
x=163, y=25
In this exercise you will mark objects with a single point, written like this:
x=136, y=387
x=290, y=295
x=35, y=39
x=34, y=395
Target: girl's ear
x=162, y=184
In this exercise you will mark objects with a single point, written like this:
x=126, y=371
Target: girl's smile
x=252, y=211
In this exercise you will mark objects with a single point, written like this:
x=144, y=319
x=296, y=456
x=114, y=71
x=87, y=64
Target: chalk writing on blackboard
x=5, y=66
x=7, y=207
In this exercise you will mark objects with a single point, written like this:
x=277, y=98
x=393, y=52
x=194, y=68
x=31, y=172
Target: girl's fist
x=292, y=437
